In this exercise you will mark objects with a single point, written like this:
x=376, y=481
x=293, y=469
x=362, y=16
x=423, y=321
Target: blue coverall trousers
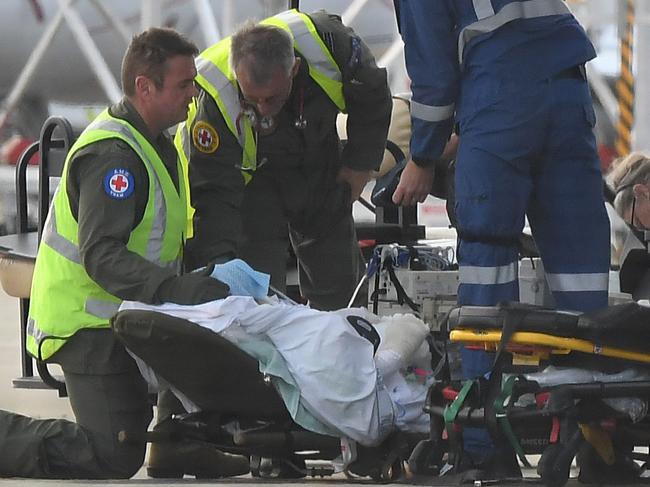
x=528, y=149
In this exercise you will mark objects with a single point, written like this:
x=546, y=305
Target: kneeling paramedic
x=114, y=231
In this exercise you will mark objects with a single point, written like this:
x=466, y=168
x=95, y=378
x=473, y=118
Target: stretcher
x=560, y=381
x=240, y=410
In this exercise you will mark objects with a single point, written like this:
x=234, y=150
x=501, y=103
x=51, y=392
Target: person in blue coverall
x=509, y=76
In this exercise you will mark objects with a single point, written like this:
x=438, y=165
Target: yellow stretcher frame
x=490, y=339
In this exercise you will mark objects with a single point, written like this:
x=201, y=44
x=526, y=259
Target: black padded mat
x=215, y=374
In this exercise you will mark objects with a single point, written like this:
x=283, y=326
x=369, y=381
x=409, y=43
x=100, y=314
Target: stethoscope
x=301, y=122
x=265, y=124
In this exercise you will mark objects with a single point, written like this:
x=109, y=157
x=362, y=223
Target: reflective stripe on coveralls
x=586, y=282
x=557, y=282
x=488, y=275
x=216, y=77
x=64, y=298
x=488, y=21
x=430, y=113
x=513, y=11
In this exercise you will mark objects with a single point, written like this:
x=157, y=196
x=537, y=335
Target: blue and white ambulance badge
x=119, y=183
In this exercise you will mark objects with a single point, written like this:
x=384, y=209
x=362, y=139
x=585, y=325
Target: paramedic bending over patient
x=265, y=160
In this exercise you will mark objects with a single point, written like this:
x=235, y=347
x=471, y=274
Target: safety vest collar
x=322, y=67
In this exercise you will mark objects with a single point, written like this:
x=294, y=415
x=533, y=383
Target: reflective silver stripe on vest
x=227, y=91
x=35, y=332
x=58, y=242
x=578, y=282
x=488, y=275
x=185, y=140
x=513, y=11
x=309, y=47
x=483, y=8
x=101, y=309
x=431, y=113
x=154, y=245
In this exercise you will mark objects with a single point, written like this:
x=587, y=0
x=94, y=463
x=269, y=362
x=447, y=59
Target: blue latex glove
x=242, y=279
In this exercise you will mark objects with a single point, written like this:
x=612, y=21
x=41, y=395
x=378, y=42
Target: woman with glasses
x=630, y=180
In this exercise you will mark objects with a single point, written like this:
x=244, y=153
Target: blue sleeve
x=431, y=51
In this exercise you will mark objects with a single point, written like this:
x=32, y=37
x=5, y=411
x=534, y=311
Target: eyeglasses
x=632, y=212
x=634, y=221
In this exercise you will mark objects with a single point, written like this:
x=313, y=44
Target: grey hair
x=628, y=171
x=262, y=48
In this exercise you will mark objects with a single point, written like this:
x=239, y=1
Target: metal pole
x=625, y=85
x=208, y=22
x=25, y=76
x=352, y=11
x=150, y=14
x=396, y=49
x=641, y=134
x=91, y=51
x=114, y=20
x=604, y=93
x=228, y=17
x=396, y=71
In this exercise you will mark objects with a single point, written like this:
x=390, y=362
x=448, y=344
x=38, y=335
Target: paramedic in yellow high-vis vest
x=265, y=162
x=115, y=231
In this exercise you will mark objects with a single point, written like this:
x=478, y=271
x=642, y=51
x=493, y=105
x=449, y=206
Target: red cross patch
x=119, y=183
x=205, y=137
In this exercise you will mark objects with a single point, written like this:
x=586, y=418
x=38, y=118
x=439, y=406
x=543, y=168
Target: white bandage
x=402, y=335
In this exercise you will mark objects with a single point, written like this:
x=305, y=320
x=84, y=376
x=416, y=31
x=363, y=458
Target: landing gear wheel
x=554, y=467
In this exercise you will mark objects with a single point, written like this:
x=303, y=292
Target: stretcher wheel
x=426, y=458
x=277, y=468
x=255, y=463
x=390, y=470
x=554, y=466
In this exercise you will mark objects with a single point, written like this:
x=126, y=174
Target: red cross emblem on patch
x=205, y=137
x=119, y=183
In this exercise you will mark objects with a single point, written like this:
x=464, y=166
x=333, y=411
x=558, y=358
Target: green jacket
x=64, y=297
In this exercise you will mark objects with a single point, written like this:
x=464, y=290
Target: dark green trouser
x=330, y=265
x=107, y=395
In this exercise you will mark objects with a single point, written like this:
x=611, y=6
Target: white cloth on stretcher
x=337, y=389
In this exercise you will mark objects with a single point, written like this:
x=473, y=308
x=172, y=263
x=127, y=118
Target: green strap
x=451, y=410
x=502, y=418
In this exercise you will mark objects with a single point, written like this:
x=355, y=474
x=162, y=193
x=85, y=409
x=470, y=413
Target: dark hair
x=262, y=48
x=148, y=52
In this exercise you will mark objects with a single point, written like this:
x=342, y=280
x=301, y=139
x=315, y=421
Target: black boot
x=498, y=466
x=594, y=470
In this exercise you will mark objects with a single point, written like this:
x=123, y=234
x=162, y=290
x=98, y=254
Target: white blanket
x=332, y=365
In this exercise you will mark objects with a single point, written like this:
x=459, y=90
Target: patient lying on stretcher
x=345, y=373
